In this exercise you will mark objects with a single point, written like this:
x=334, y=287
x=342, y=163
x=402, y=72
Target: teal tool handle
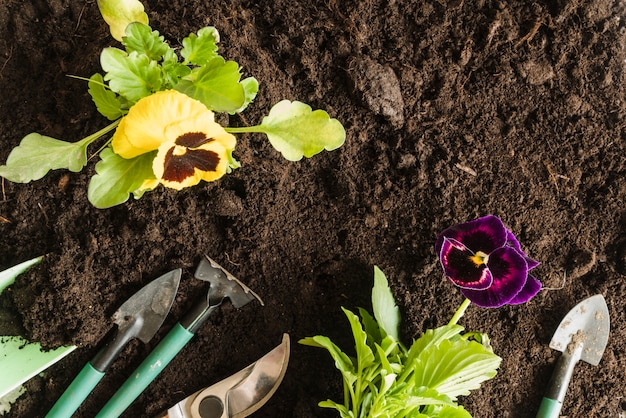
x=76, y=392
x=158, y=359
x=549, y=408
x=553, y=401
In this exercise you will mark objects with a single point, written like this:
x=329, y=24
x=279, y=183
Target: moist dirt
x=453, y=110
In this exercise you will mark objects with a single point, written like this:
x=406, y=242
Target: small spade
x=140, y=317
x=581, y=335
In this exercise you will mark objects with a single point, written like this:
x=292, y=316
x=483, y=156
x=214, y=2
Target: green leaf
x=250, y=90
x=133, y=75
x=454, y=368
x=117, y=177
x=173, y=71
x=200, y=49
x=342, y=361
x=343, y=411
x=371, y=327
x=216, y=85
x=142, y=39
x=106, y=101
x=120, y=13
x=386, y=311
x=38, y=154
x=8, y=276
x=21, y=360
x=295, y=131
x=364, y=354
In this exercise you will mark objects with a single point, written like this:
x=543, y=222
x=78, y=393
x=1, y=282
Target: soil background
x=452, y=111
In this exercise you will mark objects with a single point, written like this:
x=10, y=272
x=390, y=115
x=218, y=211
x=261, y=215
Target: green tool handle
x=553, y=401
x=76, y=392
x=156, y=361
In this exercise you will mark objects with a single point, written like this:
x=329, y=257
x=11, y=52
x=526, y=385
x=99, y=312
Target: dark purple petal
x=510, y=272
x=512, y=241
x=530, y=289
x=483, y=234
x=460, y=266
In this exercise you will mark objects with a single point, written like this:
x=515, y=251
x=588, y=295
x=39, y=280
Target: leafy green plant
x=167, y=139
x=20, y=359
x=387, y=379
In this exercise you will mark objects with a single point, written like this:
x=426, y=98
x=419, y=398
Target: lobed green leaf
x=133, y=75
x=250, y=90
x=38, y=154
x=107, y=102
x=142, y=39
x=117, y=177
x=296, y=131
x=216, y=85
x=201, y=49
x=173, y=71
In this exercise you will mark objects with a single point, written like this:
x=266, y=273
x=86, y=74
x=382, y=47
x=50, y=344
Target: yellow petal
x=143, y=129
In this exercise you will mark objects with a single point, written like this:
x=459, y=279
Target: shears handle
x=156, y=361
x=76, y=392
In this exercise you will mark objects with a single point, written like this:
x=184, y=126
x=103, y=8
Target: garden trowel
x=238, y=395
x=581, y=335
x=140, y=317
x=222, y=286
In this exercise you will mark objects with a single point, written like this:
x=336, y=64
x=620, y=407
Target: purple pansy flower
x=486, y=261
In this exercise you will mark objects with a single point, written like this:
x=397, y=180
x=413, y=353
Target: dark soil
x=452, y=111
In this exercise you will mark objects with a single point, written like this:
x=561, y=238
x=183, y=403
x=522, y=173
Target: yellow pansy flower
x=190, y=145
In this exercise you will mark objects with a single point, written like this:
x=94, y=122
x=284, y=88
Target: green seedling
x=387, y=379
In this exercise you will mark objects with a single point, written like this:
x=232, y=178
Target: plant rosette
x=162, y=104
x=387, y=379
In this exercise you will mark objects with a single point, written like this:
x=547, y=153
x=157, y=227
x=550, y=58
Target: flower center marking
x=480, y=258
x=179, y=150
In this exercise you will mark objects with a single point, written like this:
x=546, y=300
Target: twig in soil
x=7, y=61
x=230, y=261
x=80, y=17
x=4, y=220
x=554, y=176
x=45, y=215
x=468, y=170
x=530, y=35
x=562, y=284
x=4, y=195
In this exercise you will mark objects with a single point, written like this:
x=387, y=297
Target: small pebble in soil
x=379, y=88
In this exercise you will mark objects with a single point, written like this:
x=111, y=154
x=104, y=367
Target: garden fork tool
x=581, y=335
x=139, y=317
x=239, y=395
x=222, y=286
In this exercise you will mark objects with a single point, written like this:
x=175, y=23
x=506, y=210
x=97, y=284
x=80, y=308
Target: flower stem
x=89, y=139
x=459, y=312
x=244, y=129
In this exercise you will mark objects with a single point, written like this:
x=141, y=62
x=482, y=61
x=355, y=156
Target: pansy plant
x=162, y=104
x=385, y=378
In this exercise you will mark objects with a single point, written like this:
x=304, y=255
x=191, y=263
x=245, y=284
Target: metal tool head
x=240, y=394
x=224, y=284
x=587, y=324
x=143, y=314
x=264, y=378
